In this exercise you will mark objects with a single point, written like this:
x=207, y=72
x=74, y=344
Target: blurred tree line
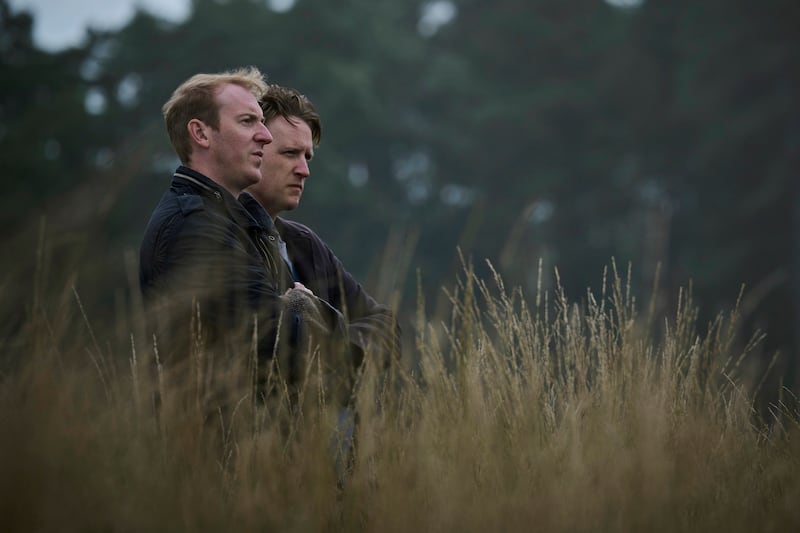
x=663, y=134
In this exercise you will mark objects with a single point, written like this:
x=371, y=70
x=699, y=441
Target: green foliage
x=572, y=132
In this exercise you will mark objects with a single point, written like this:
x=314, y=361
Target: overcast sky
x=59, y=24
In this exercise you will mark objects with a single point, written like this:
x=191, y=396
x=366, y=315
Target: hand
x=300, y=286
x=302, y=301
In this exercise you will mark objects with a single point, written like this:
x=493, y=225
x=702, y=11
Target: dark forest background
x=665, y=135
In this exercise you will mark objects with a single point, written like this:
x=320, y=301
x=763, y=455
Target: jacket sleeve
x=372, y=328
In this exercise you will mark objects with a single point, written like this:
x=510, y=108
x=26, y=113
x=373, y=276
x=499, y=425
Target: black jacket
x=202, y=246
x=371, y=327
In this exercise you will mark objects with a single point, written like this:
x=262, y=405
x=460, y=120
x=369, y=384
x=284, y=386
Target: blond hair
x=195, y=98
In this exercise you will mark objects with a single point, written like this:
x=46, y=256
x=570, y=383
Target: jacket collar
x=213, y=190
x=200, y=181
x=297, y=230
x=255, y=210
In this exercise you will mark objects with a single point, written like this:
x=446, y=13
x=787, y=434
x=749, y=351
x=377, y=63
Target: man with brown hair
x=371, y=328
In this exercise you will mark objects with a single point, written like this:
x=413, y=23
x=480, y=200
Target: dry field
x=505, y=416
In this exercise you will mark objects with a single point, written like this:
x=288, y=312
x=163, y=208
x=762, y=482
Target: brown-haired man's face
x=284, y=168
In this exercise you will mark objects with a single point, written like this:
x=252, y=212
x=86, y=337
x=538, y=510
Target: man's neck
x=213, y=174
x=264, y=205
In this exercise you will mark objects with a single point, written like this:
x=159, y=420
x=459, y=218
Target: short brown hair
x=286, y=102
x=195, y=98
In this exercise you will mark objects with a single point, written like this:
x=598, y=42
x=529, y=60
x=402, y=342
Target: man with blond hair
x=206, y=274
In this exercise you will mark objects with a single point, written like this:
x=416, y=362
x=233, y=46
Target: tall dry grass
x=505, y=416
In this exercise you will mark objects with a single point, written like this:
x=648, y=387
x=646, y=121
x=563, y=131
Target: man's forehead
x=233, y=95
